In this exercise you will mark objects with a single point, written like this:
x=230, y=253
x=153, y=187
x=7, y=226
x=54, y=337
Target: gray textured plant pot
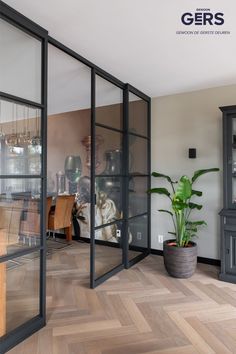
x=180, y=262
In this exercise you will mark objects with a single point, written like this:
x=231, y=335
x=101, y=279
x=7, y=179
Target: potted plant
x=180, y=253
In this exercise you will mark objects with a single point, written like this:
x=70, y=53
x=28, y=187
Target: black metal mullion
x=25, y=30
x=138, y=258
x=98, y=70
x=109, y=127
x=139, y=175
x=20, y=21
x=20, y=253
x=138, y=93
x=126, y=179
x=21, y=176
x=106, y=76
x=19, y=334
x=113, y=176
x=20, y=100
x=108, y=275
x=138, y=215
x=149, y=177
x=92, y=188
x=139, y=136
x=44, y=76
x=108, y=224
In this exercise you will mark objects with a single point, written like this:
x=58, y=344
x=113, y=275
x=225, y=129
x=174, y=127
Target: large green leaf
x=192, y=229
x=195, y=206
x=165, y=211
x=159, y=191
x=184, y=188
x=156, y=174
x=198, y=193
x=197, y=223
x=199, y=173
x=178, y=204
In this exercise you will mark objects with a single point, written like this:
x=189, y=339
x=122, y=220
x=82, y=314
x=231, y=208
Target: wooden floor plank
x=138, y=311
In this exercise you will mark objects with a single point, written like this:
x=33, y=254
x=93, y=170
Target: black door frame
x=94, y=282
x=25, y=330
x=18, y=20
x=146, y=250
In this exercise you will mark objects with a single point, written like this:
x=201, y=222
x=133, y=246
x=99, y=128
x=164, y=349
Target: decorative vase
x=73, y=170
x=111, y=185
x=61, y=182
x=180, y=262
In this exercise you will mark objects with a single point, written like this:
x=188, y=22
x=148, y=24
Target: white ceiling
x=136, y=40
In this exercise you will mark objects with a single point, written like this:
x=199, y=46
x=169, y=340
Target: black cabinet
x=228, y=213
x=230, y=252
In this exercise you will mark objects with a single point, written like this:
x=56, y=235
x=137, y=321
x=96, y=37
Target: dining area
x=20, y=230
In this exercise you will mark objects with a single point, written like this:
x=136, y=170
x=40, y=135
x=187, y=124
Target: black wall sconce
x=192, y=153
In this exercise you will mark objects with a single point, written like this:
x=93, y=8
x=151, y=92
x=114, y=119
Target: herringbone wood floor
x=141, y=310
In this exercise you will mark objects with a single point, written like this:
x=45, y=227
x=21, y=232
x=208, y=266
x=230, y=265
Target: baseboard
x=211, y=261
x=204, y=260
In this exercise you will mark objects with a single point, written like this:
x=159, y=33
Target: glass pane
x=110, y=148
x=19, y=291
x=138, y=148
x=20, y=139
x=138, y=235
x=108, y=251
x=109, y=104
x=138, y=195
x=69, y=135
x=19, y=214
x=20, y=63
x=108, y=200
x=69, y=84
x=138, y=115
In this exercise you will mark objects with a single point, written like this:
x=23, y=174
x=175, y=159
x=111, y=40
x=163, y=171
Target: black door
x=23, y=111
x=107, y=214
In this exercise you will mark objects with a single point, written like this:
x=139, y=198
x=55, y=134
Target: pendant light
x=11, y=139
x=22, y=137
x=36, y=140
x=27, y=134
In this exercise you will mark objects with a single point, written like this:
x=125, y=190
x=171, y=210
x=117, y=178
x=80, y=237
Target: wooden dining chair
x=30, y=226
x=61, y=216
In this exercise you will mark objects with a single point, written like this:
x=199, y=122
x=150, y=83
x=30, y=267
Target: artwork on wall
x=87, y=144
x=108, y=199
x=69, y=172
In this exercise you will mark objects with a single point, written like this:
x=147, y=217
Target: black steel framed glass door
x=119, y=165
x=23, y=114
x=120, y=214
x=107, y=219
x=138, y=175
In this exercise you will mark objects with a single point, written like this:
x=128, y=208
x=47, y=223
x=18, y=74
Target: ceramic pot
x=180, y=262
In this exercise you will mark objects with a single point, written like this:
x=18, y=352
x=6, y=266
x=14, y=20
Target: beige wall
x=180, y=122
x=65, y=132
